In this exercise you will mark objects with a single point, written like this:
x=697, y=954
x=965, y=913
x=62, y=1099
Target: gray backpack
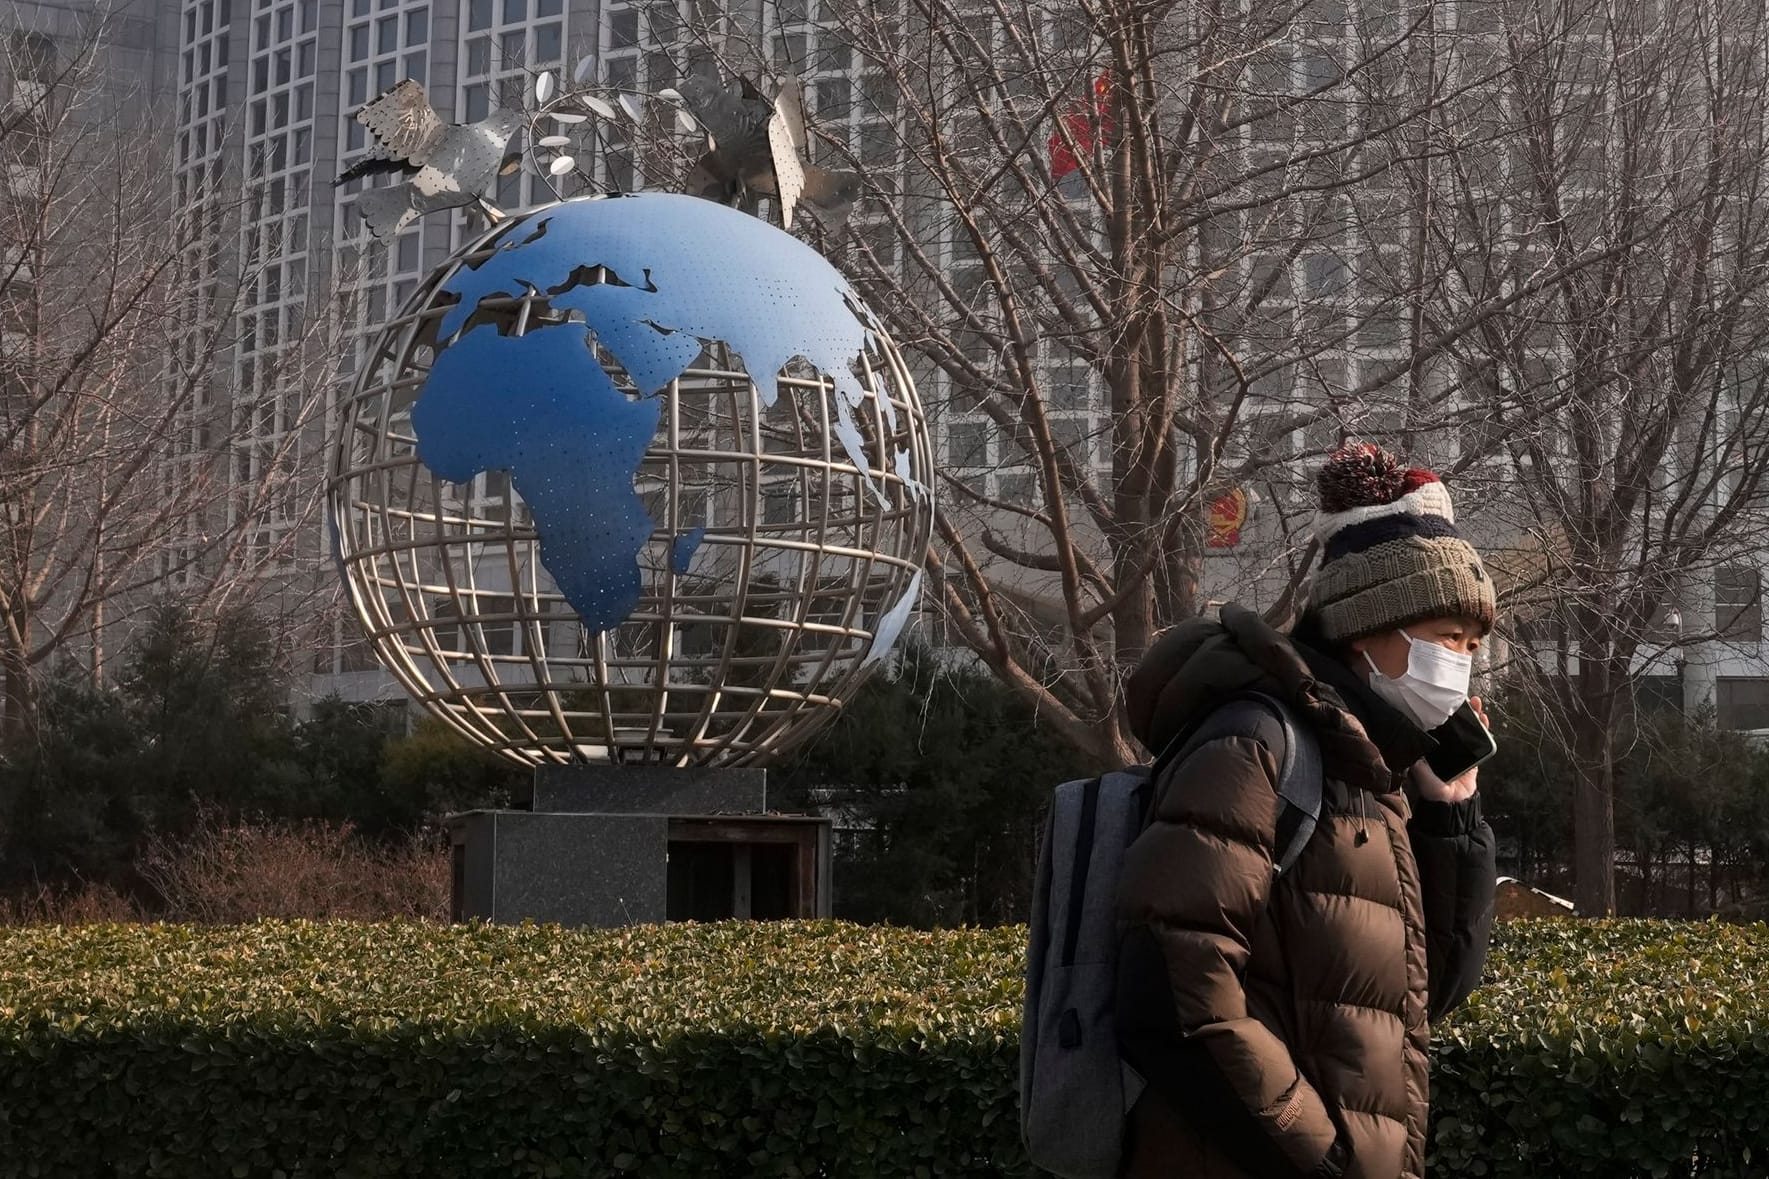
x=1075, y=1091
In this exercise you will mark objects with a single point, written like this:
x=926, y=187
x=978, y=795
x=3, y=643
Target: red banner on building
x=1083, y=123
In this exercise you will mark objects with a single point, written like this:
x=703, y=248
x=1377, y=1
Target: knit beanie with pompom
x=1390, y=553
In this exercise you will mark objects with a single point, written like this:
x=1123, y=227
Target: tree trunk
x=19, y=701
x=1713, y=884
x=1689, y=884
x=1593, y=813
x=1645, y=856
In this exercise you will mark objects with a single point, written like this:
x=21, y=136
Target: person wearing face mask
x=1281, y=1022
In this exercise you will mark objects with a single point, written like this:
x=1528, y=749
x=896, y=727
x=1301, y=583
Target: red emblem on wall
x=1228, y=515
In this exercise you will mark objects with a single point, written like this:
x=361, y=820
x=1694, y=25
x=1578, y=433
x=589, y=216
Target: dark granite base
x=650, y=790
x=626, y=869
x=599, y=870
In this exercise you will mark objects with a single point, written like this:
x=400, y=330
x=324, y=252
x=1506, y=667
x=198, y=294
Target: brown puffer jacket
x=1273, y=1023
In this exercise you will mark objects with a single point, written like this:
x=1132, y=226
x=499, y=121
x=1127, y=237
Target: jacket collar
x=1351, y=752
x=1396, y=737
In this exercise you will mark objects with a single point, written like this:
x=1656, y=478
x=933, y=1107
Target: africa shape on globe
x=632, y=476
x=541, y=407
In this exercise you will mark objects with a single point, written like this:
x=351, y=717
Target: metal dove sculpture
x=756, y=149
x=446, y=165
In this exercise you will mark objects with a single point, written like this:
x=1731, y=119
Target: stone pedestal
x=625, y=845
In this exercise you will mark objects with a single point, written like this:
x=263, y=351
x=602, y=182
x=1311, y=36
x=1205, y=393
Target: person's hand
x=1461, y=789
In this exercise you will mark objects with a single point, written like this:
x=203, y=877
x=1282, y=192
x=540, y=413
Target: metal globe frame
x=732, y=659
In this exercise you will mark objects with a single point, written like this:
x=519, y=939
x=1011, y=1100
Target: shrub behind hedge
x=792, y=1049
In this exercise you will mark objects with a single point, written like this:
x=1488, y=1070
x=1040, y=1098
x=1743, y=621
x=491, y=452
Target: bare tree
x=1612, y=418
x=1127, y=244
x=146, y=445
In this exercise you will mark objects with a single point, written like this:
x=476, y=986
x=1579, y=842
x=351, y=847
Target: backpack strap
x=1301, y=777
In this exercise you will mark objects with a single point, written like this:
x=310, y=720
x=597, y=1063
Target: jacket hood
x=1195, y=666
x=1198, y=664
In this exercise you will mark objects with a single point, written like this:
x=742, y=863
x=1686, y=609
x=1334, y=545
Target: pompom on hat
x=1390, y=553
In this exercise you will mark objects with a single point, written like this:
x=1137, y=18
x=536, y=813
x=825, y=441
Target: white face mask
x=1432, y=687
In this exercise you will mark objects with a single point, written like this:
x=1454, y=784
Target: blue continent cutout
x=541, y=408
x=689, y=270
x=683, y=548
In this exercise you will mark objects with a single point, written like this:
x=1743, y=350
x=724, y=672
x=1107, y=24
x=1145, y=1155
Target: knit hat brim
x=1400, y=582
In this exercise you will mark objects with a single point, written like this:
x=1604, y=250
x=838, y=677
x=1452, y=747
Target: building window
x=968, y=443
x=1742, y=703
x=491, y=619
x=1738, y=605
x=1541, y=630
x=1658, y=694
x=780, y=503
x=33, y=56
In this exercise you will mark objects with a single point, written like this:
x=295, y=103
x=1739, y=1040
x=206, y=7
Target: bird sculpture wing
x=403, y=130
x=386, y=211
x=832, y=194
x=737, y=125
x=466, y=158
x=403, y=124
x=786, y=139
x=789, y=110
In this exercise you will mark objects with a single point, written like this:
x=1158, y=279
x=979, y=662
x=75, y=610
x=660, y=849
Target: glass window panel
x=1742, y=703
x=1019, y=488
x=548, y=43
x=477, y=101
x=878, y=145
x=834, y=97
x=880, y=95
x=623, y=29
x=789, y=49
x=1738, y=604
x=479, y=56
x=967, y=443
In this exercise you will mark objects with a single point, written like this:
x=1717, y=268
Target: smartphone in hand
x=1463, y=742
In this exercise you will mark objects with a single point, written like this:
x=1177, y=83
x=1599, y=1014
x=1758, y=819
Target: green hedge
x=1611, y=1048
x=300, y=1049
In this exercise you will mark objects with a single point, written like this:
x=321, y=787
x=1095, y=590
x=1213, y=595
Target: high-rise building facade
x=265, y=90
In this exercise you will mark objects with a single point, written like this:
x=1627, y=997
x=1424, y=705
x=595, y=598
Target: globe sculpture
x=633, y=478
